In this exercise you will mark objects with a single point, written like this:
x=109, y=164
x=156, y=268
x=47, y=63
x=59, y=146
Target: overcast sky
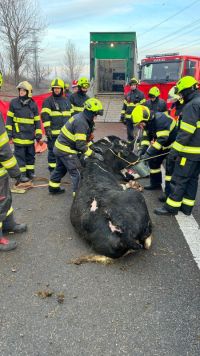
x=160, y=25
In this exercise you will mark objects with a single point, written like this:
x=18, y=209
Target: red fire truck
x=164, y=70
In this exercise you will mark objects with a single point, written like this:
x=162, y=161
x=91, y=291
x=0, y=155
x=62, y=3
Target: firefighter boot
x=152, y=187
x=30, y=175
x=59, y=190
x=164, y=211
x=24, y=178
x=10, y=225
x=6, y=244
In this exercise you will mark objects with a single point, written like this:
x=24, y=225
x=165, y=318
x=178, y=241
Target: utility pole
x=34, y=50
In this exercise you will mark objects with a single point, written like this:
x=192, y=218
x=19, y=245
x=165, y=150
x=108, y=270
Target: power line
x=172, y=33
x=172, y=39
x=168, y=18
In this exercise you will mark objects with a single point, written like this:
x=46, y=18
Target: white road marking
x=191, y=232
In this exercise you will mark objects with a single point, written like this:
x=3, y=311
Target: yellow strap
x=2, y=172
x=46, y=110
x=47, y=123
x=187, y=127
x=68, y=134
x=183, y=161
x=10, y=163
x=3, y=139
x=55, y=132
x=54, y=184
x=80, y=137
x=155, y=171
x=157, y=145
x=162, y=133
x=10, y=113
x=23, y=142
x=23, y=120
x=173, y=203
x=188, y=202
x=36, y=118
x=9, y=211
x=64, y=148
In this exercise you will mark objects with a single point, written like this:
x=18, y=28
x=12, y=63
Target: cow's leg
x=148, y=242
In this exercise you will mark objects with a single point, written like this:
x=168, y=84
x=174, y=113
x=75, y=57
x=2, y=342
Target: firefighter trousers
x=67, y=163
x=155, y=169
x=130, y=129
x=51, y=156
x=184, y=185
x=25, y=156
x=5, y=202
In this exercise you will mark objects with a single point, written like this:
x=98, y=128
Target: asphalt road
x=144, y=304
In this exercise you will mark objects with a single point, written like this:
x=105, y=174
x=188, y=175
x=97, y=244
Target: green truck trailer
x=113, y=60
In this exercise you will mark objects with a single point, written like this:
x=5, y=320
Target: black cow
x=113, y=220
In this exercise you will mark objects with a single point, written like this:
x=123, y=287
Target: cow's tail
x=92, y=259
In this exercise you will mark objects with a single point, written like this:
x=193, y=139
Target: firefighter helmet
x=94, y=105
x=140, y=113
x=84, y=83
x=154, y=92
x=185, y=83
x=134, y=81
x=57, y=83
x=74, y=83
x=26, y=86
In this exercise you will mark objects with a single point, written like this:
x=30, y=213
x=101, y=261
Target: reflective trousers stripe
x=188, y=202
x=173, y=203
x=54, y=184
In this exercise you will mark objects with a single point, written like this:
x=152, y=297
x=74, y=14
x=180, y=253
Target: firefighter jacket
x=55, y=113
x=159, y=134
x=8, y=163
x=188, y=138
x=133, y=98
x=158, y=105
x=77, y=100
x=74, y=136
x=23, y=121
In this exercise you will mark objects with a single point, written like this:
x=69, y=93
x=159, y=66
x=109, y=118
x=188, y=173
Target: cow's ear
x=131, y=145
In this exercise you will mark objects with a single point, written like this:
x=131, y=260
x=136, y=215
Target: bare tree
x=18, y=20
x=73, y=61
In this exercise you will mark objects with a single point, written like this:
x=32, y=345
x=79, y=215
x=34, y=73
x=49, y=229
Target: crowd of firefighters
x=68, y=120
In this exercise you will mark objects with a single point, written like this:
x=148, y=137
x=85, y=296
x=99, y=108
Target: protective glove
x=145, y=156
x=38, y=137
x=83, y=159
x=48, y=133
x=97, y=150
x=98, y=156
x=173, y=155
x=142, y=151
x=123, y=119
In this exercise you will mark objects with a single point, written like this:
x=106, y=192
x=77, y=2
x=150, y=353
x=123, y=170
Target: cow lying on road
x=111, y=219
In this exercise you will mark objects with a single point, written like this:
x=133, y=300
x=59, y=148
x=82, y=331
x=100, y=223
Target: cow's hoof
x=148, y=242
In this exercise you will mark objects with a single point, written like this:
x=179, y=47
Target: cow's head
x=117, y=153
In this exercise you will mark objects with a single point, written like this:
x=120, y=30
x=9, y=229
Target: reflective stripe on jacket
x=8, y=163
x=23, y=121
x=159, y=133
x=188, y=138
x=74, y=136
x=55, y=113
x=133, y=98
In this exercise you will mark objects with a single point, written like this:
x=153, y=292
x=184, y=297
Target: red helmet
x=74, y=83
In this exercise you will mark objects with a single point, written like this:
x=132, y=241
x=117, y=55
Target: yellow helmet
x=154, y=92
x=140, y=113
x=134, y=81
x=26, y=86
x=94, y=105
x=57, y=83
x=84, y=83
x=185, y=83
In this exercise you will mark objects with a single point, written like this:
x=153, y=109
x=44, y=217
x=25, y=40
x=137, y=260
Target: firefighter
x=72, y=140
x=155, y=104
x=78, y=99
x=177, y=104
x=75, y=86
x=67, y=90
x=8, y=166
x=133, y=98
x=23, y=127
x=159, y=132
x=56, y=110
x=185, y=152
